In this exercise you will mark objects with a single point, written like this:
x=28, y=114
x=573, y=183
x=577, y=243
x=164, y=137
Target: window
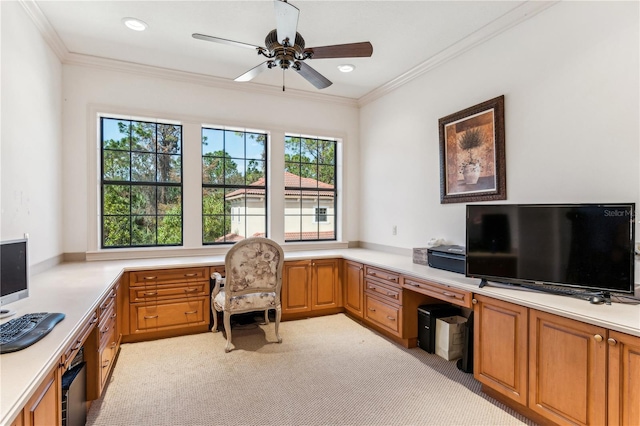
x=141, y=183
x=234, y=170
x=310, y=188
x=321, y=215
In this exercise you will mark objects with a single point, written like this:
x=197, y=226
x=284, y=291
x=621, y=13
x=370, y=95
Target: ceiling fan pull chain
x=283, y=79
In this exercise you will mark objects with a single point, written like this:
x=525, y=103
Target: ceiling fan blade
x=350, y=50
x=253, y=72
x=224, y=41
x=286, y=21
x=312, y=76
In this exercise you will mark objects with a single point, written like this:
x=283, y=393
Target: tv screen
x=14, y=274
x=587, y=246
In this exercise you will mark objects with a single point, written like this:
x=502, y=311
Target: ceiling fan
x=285, y=48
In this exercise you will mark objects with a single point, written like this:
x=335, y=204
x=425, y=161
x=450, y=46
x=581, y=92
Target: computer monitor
x=14, y=273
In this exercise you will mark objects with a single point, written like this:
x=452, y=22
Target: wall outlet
x=394, y=230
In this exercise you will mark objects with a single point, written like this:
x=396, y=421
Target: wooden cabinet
x=103, y=343
x=623, y=379
x=353, y=283
x=383, y=300
x=500, y=347
x=567, y=369
x=167, y=302
x=310, y=285
x=440, y=292
x=45, y=406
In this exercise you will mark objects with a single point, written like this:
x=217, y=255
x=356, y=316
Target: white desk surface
x=76, y=288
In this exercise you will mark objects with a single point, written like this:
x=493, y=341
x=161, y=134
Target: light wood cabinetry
x=103, y=343
x=167, y=302
x=555, y=369
x=310, y=286
x=567, y=369
x=44, y=408
x=383, y=300
x=501, y=345
x=440, y=292
x=353, y=283
x=623, y=379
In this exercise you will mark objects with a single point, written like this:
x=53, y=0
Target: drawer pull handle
x=94, y=320
x=113, y=345
x=598, y=338
x=105, y=330
x=372, y=310
x=389, y=293
x=412, y=283
x=611, y=341
x=391, y=318
x=151, y=293
x=391, y=278
x=106, y=363
x=191, y=312
x=448, y=294
x=372, y=288
x=149, y=278
x=190, y=290
x=113, y=296
x=113, y=315
x=150, y=316
x=191, y=275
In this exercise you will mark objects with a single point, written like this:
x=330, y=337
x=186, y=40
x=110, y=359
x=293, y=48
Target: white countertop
x=76, y=288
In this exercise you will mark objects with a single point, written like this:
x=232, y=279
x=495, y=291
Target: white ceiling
x=405, y=35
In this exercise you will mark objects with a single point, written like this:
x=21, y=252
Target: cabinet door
x=44, y=407
x=353, y=287
x=325, y=284
x=296, y=287
x=624, y=379
x=500, y=347
x=567, y=370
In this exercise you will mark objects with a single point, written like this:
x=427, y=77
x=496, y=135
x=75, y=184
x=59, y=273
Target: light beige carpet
x=327, y=371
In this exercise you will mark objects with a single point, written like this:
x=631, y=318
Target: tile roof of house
x=290, y=180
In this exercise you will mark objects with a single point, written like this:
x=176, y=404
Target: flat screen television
x=584, y=246
x=14, y=273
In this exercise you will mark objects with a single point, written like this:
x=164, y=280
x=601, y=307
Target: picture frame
x=472, y=154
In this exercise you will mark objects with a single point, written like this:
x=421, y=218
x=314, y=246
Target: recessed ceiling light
x=346, y=67
x=135, y=24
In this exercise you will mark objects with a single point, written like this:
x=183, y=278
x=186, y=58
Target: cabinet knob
x=598, y=338
x=474, y=301
x=611, y=341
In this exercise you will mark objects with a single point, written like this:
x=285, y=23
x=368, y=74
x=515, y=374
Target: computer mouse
x=596, y=300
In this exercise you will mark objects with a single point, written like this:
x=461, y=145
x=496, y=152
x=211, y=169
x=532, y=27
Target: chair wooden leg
x=227, y=329
x=278, y=315
x=266, y=316
x=215, y=319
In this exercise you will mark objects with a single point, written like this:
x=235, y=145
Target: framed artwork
x=472, y=159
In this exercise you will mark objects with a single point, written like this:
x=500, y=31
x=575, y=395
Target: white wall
x=570, y=77
x=87, y=90
x=31, y=137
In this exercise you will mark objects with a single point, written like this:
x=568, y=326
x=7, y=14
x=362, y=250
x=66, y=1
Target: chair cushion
x=252, y=301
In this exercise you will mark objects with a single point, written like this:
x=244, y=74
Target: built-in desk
x=76, y=289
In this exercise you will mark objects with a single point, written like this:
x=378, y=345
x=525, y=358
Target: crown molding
x=44, y=26
x=499, y=25
x=201, y=79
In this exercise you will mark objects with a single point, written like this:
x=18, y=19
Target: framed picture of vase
x=472, y=158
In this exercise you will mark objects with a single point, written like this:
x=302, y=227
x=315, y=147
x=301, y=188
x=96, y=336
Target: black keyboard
x=24, y=331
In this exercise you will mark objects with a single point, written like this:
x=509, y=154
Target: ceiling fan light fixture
x=135, y=24
x=346, y=67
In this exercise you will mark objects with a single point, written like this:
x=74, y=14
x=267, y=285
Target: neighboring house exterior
x=309, y=212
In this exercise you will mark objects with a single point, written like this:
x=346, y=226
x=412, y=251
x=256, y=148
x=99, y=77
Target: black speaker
x=466, y=362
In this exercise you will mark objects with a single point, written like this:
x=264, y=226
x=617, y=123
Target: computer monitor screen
x=14, y=271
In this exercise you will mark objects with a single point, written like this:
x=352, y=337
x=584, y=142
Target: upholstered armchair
x=252, y=282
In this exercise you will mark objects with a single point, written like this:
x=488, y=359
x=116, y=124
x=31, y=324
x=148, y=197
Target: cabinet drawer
x=74, y=347
x=180, y=275
x=387, y=292
x=448, y=294
x=168, y=291
x=389, y=277
x=170, y=314
x=383, y=314
x=107, y=357
x=107, y=303
x=106, y=329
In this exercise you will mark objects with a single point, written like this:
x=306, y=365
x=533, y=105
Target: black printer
x=449, y=258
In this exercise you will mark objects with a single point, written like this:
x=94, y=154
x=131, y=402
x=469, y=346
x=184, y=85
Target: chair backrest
x=253, y=265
